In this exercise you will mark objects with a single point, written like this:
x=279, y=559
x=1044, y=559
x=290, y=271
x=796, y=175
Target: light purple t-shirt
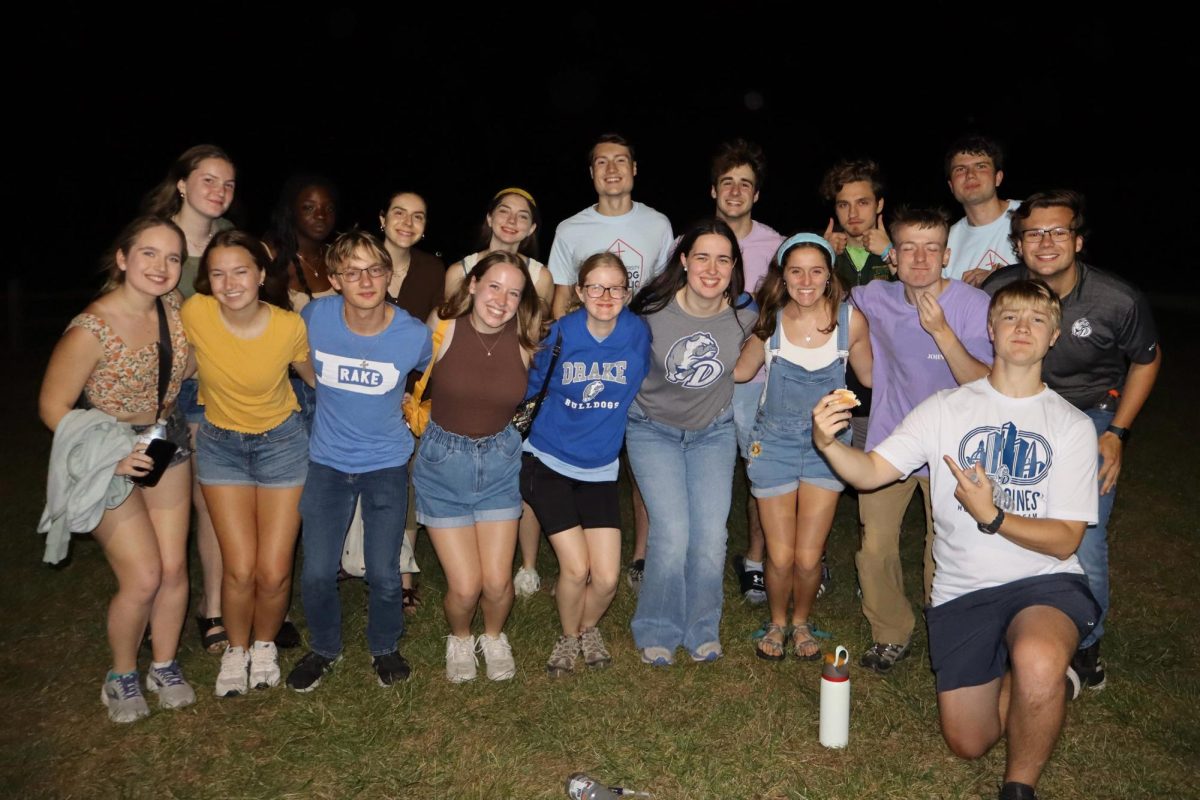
x=908, y=366
x=758, y=248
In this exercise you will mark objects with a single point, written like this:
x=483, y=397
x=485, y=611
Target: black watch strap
x=994, y=525
x=1118, y=432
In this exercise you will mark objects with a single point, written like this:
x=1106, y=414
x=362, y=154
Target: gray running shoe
x=168, y=683
x=122, y=696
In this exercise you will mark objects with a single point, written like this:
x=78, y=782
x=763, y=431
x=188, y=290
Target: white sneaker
x=461, y=664
x=497, y=654
x=232, y=680
x=526, y=582
x=264, y=665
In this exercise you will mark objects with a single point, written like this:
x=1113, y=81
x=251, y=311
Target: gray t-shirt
x=691, y=365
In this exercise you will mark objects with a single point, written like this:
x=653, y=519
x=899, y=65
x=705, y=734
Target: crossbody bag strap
x=165, y=356
x=550, y=369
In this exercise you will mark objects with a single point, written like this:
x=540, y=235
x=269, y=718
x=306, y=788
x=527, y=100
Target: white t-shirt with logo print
x=1040, y=454
x=641, y=238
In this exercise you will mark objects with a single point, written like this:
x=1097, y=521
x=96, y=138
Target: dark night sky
x=458, y=105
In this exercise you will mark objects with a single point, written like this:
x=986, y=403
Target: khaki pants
x=883, y=601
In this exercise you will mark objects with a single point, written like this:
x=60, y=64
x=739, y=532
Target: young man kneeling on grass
x=1010, y=504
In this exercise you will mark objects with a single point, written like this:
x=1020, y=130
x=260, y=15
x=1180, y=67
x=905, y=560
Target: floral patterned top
x=125, y=382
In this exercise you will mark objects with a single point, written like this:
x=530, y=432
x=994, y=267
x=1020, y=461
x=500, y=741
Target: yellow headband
x=515, y=190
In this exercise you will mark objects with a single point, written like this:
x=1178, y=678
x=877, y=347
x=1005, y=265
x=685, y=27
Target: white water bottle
x=835, y=699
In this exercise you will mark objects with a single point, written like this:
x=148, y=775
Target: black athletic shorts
x=562, y=503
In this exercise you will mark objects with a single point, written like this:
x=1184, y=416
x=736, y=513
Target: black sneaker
x=634, y=574
x=826, y=577
x=307, y=675
x=882, y=657
x=750, y=582
x=391, y=668
x=1017, y=791
x=1089, y=666
x=288, y=637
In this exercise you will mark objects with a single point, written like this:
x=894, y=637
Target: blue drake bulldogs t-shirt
x=359, y=425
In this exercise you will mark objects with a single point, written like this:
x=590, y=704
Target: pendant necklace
x=479, y=336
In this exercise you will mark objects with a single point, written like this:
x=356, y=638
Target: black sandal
x=213, y=641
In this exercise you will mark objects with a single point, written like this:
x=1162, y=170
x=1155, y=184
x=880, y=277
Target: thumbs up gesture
x=836, y=240
x=876, y=239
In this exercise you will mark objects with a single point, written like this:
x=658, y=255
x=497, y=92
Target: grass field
x=739, y=728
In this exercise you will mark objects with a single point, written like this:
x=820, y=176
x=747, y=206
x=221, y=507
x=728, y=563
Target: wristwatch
x=1118, y=432
x=994, y=525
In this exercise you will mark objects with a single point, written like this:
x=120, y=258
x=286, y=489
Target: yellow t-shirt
x=244, y=383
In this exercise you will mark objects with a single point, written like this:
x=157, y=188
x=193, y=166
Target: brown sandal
x=802, y=640
x=411, y=600
x=768, y=648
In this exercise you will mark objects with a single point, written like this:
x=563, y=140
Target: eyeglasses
x=595, y=290
x=355, y=275
x=1036, y=235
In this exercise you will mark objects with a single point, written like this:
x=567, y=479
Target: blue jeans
x=1093, y=550
x=686, y=478
x=326, y=507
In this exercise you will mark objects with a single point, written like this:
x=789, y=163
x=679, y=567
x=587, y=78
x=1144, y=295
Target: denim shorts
x=460, y=481
x=780, y=460
x=189, y=402
x=276, y=459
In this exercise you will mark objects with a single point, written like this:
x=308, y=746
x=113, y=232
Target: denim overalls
x=782, y=453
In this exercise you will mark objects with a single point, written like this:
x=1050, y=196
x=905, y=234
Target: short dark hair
x=974, y=145
x=1056, y=198
x=849, y=171
x=610, y=138
x=918, y=217
x=735, y=154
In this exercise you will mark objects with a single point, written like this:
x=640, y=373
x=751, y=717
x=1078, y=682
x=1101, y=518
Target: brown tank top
x=475, y=394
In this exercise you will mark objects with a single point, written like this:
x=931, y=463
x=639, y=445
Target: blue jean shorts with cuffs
x=460, y=481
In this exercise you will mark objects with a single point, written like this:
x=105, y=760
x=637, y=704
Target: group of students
x=304, y=353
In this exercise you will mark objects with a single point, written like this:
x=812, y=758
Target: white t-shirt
x=1040, y=453
x=641, y=239
x=980, y=247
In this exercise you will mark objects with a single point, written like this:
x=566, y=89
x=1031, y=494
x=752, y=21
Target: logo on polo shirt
x=591, y=390
x=692, y=361
x=1081, y=328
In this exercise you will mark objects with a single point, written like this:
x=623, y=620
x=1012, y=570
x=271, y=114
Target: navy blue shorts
x=967, y=645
